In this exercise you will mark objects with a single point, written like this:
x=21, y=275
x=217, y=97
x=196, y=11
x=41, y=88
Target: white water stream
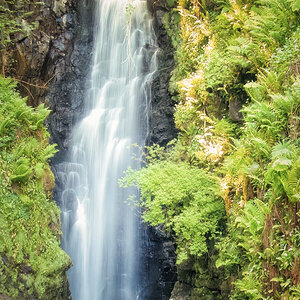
x=100, y=229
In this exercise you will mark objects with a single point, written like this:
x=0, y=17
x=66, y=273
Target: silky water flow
x=100, y=231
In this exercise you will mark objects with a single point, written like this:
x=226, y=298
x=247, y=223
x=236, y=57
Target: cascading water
x=100, y=229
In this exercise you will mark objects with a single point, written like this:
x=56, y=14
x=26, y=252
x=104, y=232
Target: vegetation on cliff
x=237, y=89
x=32, y=263
x=15, y=24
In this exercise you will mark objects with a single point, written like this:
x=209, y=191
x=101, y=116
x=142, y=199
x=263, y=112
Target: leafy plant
x=33, y=264
x=244, y=52
x=185, y=199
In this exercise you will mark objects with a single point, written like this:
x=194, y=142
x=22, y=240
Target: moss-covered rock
x=32, y=265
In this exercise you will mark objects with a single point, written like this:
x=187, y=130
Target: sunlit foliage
x=236, y=85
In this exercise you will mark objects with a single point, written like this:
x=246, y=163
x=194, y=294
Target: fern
x=38, y=169
x=4, y=124
x=26, y=211
x=256, y=91
x=21, y=170
x=252, y=218
x=262, y=118
x=284, y=103
x=48, y=152
x=272, y=22
x=250, y=286
x=272, y=80
x=40, y=114
x=184, y=198
x=282, y=150
x=295, y=5
x=291, y=183
x=283, y=171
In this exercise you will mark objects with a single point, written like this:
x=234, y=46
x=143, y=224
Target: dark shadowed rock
x=234, y=110
x=162, y=127
x=159, y=265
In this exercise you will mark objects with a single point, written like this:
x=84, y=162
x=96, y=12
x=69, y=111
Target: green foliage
x=245, y=52
x=283, y=173
x=21, y=170
x=171, y=3
x=33, y=264
x=250, y=286
x=183, y=198
x=244, y=236
x=14, y=18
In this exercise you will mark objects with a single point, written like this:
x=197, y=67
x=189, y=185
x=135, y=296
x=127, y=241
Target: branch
x=27, y=89
x=34, y=85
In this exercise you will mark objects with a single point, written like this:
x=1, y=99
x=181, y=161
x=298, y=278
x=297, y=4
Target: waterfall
x=100, y=231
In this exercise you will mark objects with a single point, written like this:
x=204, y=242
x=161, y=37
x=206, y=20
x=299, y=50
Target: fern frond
x=21, y=170
x=48, y=152
x=282, y=150
x=295, y=5
x=256, y=91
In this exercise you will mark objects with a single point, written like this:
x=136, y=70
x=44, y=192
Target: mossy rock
x=32, y=263
x=48, y=180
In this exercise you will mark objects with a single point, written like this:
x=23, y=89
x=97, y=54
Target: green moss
x=33, y=264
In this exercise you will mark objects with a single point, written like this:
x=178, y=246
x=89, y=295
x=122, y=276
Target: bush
x=183, y=198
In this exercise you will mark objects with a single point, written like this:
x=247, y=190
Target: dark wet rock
x=71, y=66
x=162, y=127
x=33, y=59
x=3, y=297
x=159, y=248
x=181, y=291
x=235, y=106
x=159, y=265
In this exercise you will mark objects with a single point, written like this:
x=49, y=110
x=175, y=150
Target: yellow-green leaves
x=183, y=198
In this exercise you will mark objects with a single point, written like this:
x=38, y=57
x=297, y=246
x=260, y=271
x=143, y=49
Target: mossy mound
x=32, y=263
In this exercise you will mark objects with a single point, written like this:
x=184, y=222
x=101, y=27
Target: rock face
x=198, y=280
x=66, y=95
x=159, y=249
x=38, y=53
x=162, y=127
x=51, y=63
x=159, y=272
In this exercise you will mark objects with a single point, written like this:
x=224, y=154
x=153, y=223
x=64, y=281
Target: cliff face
x=159, y=249
x=66, y=94
x=51, y=62
x=37, y=60
x=39, y=56
x=162, y=127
